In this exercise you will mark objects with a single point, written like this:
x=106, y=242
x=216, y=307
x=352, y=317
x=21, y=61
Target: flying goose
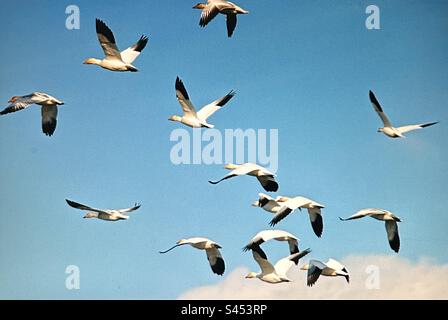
x=266, y=235
x=49, y=108
x=103, y=214
x=192, y=118
x=114, y=59
x=388, y=129
x=331, y=268
x=211, y=249
x=283, y=206
x=277, y=273
x=213, y=7
x=383, y=215
x=264, y=176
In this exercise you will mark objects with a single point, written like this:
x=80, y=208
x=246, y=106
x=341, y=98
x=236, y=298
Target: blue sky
x=302, y=67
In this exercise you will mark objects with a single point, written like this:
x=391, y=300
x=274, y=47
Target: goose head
x=13, y=99
x=199, y=6
x=175, y=118
x=305, y=267
x=90, y=215
x=92, y=61
x=230, y=166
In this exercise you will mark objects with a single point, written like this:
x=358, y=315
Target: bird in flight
x=382, y=215
x=211, y=9
x=211, y=248
x=115, y=60
x=331, y=268
x=104, y=214
x=388, y=129
x=275, y=273
x=49, y=108
x=263, y=175
x=192, y=118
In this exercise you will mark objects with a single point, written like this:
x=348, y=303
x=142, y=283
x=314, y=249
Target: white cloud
x=399, y=278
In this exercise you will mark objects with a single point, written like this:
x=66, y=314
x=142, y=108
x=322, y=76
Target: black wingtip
x=429, y=124
x=372, y=97
x=49, y=127
x=212, y=182
x=271, y=186
x=180, y=87
x=219, y=267
x=71, y=203
x=141, y=44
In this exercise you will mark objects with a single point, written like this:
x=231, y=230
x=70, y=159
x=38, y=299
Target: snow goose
x=266, y=235
x=104, y=214
x=213, y=7
x=114, y=59
x=264, y=176
x=49, y=108
x=277, y=273
x=390, y=221
x=283, y=206
x=317, y=268
x=388, y=129
x=192, y=118
x=211, y=249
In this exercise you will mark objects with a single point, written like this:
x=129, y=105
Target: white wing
x=405, y=129
x=184, y=99
x=107, y=41
x=211, y=108
x=297, y=202
x=364, y=213
x=376, y=105
x=287, y=208
x=265, y=266
x=283, y=265
x=131, y=53
x=128, y=210
x=335, y=265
